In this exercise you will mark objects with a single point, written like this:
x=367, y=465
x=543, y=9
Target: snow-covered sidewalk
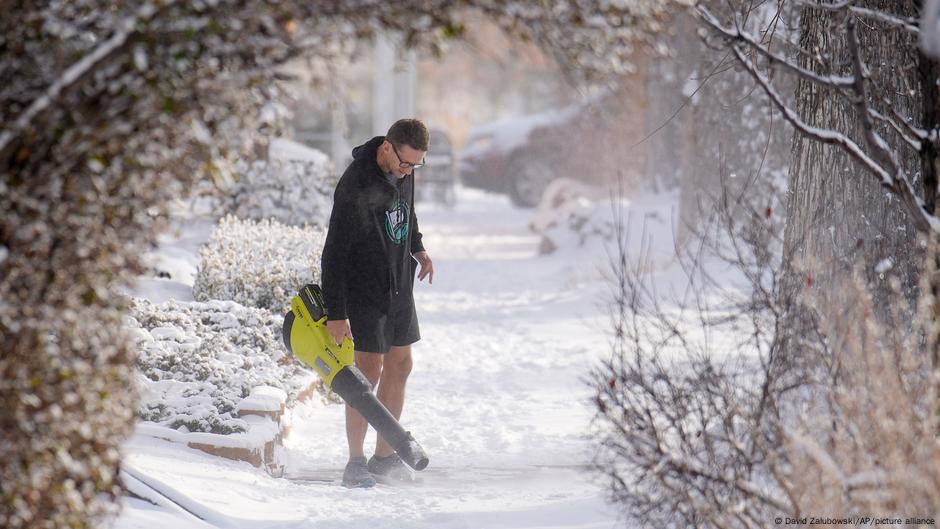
x=497, y=398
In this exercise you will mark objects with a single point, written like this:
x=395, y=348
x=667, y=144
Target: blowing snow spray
x=306, y=336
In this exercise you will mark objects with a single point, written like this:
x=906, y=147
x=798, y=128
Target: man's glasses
x=406, y=165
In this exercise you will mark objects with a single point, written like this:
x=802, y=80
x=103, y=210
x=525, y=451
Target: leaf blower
x=305, y=335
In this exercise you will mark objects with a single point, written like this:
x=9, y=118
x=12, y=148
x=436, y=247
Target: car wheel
x=528, y=178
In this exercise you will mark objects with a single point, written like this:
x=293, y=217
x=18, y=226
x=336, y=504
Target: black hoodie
x=364, y=262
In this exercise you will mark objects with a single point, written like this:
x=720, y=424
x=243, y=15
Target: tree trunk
x=839, y=216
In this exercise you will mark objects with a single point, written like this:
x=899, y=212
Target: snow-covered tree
x=866, y=116
x=814, y=393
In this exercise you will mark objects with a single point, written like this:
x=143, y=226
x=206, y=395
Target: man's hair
x=410, y=132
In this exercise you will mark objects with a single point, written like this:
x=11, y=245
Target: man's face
x=404, y=155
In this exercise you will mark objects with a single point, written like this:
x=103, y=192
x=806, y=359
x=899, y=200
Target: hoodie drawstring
x=406, y=253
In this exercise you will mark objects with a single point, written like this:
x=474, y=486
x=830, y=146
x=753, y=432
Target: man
x=367, y=279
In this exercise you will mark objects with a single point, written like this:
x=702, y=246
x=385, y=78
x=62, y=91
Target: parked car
x=521, y=156
x=496, y=158
x=437, y=179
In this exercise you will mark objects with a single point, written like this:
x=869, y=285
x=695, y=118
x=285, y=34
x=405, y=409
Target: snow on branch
x=875, y=141
x=897, y=181
x=85, y=66
x=905, y=130
x=907, y=24
x=819, y=134
x=735, y=34
x=883, y=163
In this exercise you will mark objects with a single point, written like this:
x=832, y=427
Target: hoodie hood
x=367, y=149
x=366, y=156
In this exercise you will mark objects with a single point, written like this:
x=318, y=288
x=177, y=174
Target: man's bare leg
x=391, y=391
x=356, y=426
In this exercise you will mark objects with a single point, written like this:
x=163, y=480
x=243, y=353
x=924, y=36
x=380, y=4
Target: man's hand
x=338, y=329
x=427, y=267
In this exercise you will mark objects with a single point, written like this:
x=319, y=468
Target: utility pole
x=394, y=83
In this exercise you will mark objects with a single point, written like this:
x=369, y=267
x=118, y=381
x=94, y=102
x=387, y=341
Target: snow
x=497, y=398
x=293, y=186
x=690, y=87
x=884, y=265
x=263, y=398
x=174, y=265
x=259, y=431
x=141, y=514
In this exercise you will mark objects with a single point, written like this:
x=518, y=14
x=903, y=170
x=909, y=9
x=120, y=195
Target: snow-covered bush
x=294, y=186
x=198, y=360
x=258, y=263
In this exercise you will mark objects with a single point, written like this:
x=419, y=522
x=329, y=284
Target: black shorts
x=375, y=332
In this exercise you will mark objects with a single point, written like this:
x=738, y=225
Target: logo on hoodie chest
x=396, y=222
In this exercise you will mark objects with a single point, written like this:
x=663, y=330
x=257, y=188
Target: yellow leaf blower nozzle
x=305, y=335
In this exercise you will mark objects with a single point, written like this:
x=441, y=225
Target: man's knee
x=398, y=362
x=371, y=365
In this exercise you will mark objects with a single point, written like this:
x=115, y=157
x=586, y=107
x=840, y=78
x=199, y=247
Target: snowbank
x=198, y=361
x=575, y=217
x=568, y=216
x=259, y=264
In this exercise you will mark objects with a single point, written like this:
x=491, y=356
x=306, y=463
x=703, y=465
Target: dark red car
x=499, y=157
x=587, y=141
